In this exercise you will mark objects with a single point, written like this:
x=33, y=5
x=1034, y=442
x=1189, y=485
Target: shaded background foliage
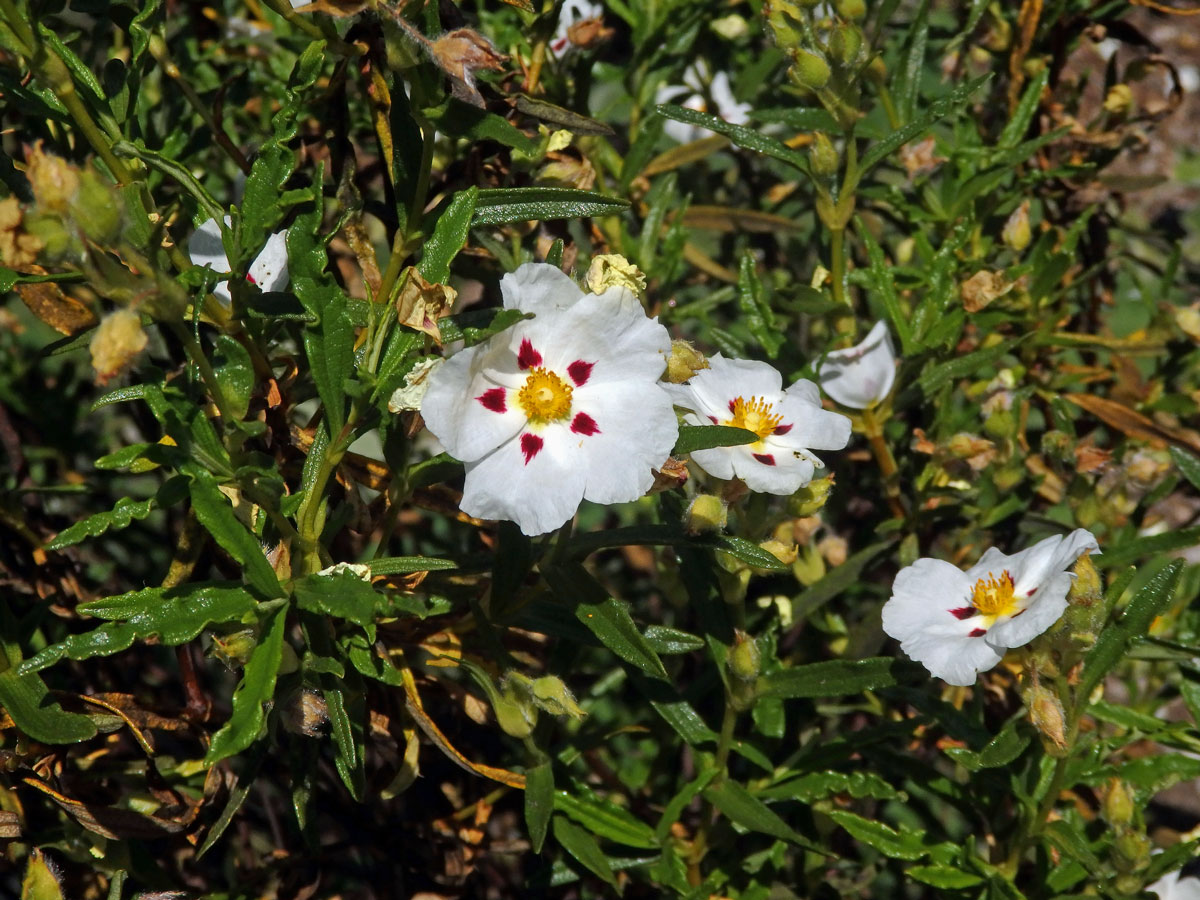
x=1048, y=382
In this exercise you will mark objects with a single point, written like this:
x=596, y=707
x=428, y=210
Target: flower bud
x=809, y=70
x=116, y=342
x=234, y=649
x=1017, y=234
x=515, y=718
x=552, y=695
x=786, y=553
x=730, y=27
x=1046, y=713
x=53, y=180
x=97, y=208
x=684, y=362
x=845, y=44
x=1119, y=100
x=823, y=156
x=609, y=270
x=47, y=233
x=876, y=70
x=707, y=513
x=17, y=247
x=811, y=498
x=304, y=712
x=1133, y=852
x=745, y=660
x=851, y=9
x=1087, y=611
x=1118, y=803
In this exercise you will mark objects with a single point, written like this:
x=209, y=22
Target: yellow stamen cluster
x=544, y=397
x=993, y=596
x=755, y=416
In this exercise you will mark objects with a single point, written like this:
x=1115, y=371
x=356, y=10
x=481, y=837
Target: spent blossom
x=861, y=376
x=789, y=424
x=269, y=271
x=557, y=409
x=958, y=624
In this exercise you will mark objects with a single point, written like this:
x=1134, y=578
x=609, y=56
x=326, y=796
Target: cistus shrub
x=654, y=448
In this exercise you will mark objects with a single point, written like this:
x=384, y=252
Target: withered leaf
x=109, y=821
x=422, y=303
x=460, y=54
x=1132, y=422
x=64, y=314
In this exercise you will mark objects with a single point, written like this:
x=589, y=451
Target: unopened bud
x=809, y=70
x=876, y=70
x=684, y=362
x=811, y=498
x=823, y=156
x=97, y=208
x=116, y=342
x=1046, y=713
x=53, y=180
x=1119, y=100
x=234, y=649
x=611, y=270
x=305, y=713
x=1133, y=852
x=851, y=9
x=515, y=718
x=552, y=695
x=786, y=553
x=745, y=660
x=707, y=513
x=48, y=233
x=1118, y=803
x=1017, y=234
x=845, y=44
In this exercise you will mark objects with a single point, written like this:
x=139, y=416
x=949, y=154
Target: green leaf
x=1188, y=464
x=235, y=373
x=1027, y=107
x=675, y=711
x=27, y=700
x=670, y=535
x=937, y=110
x=705, y=437
x=347, y=712
x=999, y=751
x=175, y=171
x=1071, y=842
x=840, y=676
x=342, y=594
x=584, y=848
x=403, y=565
x=945, y=877
x=836, y=581
x=744, y=137
x=883, y=280
x=1119, y=636
x=218, y=518
x=607, y=820
x=256, y=688
x=743, y=808
x=174, y=616
x=39, y=882
x=1138, y=549
x=120, y=516
x=498, y=206
x=563, y=118
x=671, y=640
x=539, y=802
x=937, y=376
x=604, y=616
x=819, y=785
x=682, y=799
x=448, y=237
x=908, y=75
x=755, y=306
x=903, y=844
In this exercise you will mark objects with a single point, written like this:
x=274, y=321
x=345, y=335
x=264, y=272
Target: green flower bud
x=514, y=717
x=745, y=660
x=707, y=513
x=1017, y=233
x=1133, y=852
x=845, y=44
x=877, y=70
x=97, y=209
x=811, y=498
x=851, y=9
x=809, y=70
x=1046, y=713
x=552, y=695
x=684, y=362
x=1118, y=803
x=823, y=156
x=54, y=180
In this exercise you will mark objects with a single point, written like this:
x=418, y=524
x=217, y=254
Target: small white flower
x=557, y=409
x=572, y=13
x=861, y=376
x=748, y=394
x=691, y=96
x=1172, y=887
x=269, y=270
x=958, y=624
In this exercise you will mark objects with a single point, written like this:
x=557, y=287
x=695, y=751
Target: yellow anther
x=755, y=416
x=993, y=596
x=544, y=397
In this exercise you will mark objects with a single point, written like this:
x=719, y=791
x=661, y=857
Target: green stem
x=873, y=429
x=889, y=108
x=196, y=355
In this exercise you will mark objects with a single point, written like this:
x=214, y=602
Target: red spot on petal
x=580, y=371
x=963, y=612
x=250, y=278
x=782, y=429
x=1020, y=612
x=713, y=419
x=530, y=445
x=584, y=424
x=765, y=458
x=732, y=403
x=493, y=399
x=1031, y=593
x=527, y=357
x=977, y=632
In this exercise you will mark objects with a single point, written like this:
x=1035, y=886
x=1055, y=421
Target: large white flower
x=958, y=624
x=861, y=376
x=269, y=270
x=1172, y=887
x=691, y=94
x=556, y=409
x=789, y=424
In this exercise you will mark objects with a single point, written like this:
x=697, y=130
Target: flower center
x=994, y=596
x=754, y=415
x=545, y=397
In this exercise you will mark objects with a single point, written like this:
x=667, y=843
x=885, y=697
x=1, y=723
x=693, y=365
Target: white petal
x=637, y=429
x=1172, y=887
x=270, y=268
x=612, y=334
x=749, y=377
x=1032, y=567
x=861, y=376
x=1044, y=610
x=812, y=428
x=785, y=476
x=993, y=562
x=538, y=288
x=919, y=616
x=206, y=249
x=539, y=494
x=457, y=417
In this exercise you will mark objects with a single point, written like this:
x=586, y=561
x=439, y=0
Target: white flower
x=958, y=624
x=861, y=376
x=269, y=270
x=748, y=394
x=556, y=409
x=572, y=13
x=1172, y=887
x=691, y=95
